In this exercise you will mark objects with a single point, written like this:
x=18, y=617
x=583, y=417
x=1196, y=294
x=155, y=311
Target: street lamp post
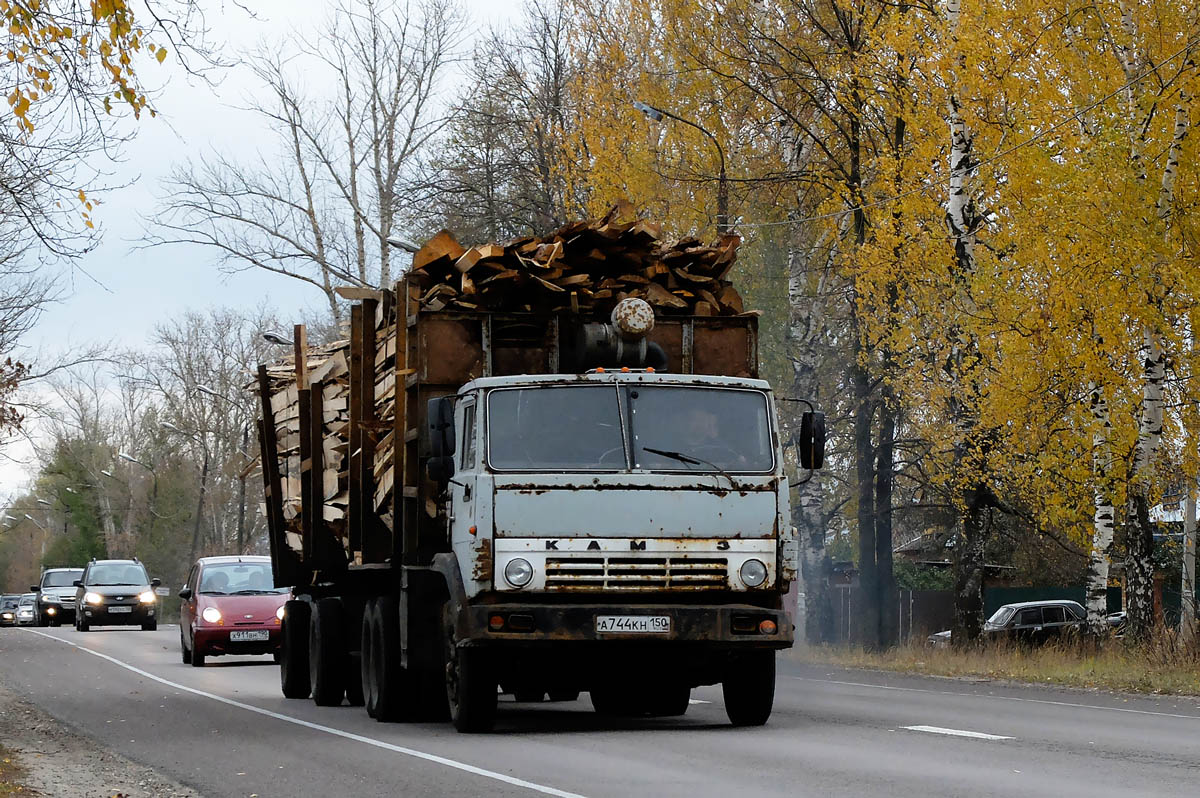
x=658, y=114
x=45, y=532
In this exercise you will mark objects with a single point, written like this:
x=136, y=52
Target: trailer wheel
x=471, y=683
x=391, y=680
x=327, y=653
x=370, y=678
x=749, y=688
x=293, y=650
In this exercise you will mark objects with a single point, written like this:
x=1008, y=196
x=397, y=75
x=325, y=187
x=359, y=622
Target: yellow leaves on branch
x=65, y=42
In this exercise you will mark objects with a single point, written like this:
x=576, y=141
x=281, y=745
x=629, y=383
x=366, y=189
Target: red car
x=230, y=606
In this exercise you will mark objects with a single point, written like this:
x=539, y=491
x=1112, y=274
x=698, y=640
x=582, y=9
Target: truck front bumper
x=733, y=626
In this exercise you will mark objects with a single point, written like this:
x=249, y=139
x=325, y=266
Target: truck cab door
x=463, y=491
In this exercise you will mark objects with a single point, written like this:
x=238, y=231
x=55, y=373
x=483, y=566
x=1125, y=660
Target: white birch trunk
x=1139, y=569
x=1139, y=572
x=1187, y=607
x=1102, y=535
x=961, y=224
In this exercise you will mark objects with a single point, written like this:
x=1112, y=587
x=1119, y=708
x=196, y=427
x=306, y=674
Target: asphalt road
x=226, y=731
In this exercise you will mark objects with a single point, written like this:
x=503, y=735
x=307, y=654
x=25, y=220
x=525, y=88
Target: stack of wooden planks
x=581, y=267
x=328, y=367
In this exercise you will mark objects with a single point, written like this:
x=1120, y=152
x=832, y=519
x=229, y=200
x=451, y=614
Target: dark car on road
x=56, y=596
x=1032, y=622
x=230, y=605
x=116, y=593
x=8, y=609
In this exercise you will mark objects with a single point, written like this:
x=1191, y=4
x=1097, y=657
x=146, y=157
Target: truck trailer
x=476, y=494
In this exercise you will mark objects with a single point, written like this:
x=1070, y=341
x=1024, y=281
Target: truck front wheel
x=749, y=688
x=293, y=651
x=471, y=683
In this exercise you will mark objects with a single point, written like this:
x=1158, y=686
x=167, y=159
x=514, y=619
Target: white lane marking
x=1001, y=698
x=698, y=701
x=399, y=749
x=957, y=732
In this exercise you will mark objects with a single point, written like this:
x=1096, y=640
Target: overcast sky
x=120, y=292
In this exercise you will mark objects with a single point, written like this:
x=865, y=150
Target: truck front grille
x=637, y=573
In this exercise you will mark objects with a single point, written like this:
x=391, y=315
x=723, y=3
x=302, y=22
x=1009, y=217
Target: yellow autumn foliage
x=1073, y=259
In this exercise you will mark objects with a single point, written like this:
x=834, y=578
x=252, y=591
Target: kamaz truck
x=530, y=504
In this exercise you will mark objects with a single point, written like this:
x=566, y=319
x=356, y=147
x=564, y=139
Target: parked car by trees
x=1032, y=622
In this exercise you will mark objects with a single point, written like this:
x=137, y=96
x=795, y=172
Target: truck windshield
x=674, y=428
x=574, y=428
x=701, y=429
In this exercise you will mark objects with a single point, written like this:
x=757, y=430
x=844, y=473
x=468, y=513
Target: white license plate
x=117, y=610
x=248, y=635
x=633, y=624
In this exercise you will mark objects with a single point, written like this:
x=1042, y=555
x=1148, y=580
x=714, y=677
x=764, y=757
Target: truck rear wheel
x=390, y=679
x=749, y=688
x=471, y=683
x=327, y=653
x=368, y=660
x=293, y=650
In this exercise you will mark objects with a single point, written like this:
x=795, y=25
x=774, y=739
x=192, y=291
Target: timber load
x=580, y=268
x=341, y=439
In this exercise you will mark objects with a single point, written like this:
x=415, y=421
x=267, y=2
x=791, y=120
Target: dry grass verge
x=1159, y=667
x=12, y=776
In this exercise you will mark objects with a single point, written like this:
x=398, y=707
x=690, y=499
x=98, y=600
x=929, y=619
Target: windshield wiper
x=693, y=460
x=250, y=592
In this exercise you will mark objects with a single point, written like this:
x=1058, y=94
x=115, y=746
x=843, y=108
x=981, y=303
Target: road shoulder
x=57, y=761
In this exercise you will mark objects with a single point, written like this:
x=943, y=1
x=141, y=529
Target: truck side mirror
x=155, y=582
x=812, y=439
x=34, y=588
x=78, y=583
x=440, y=469
x=440, y=418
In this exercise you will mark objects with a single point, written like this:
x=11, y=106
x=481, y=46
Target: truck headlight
x=753, y=573
x=92, y=598
x=518, y=572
